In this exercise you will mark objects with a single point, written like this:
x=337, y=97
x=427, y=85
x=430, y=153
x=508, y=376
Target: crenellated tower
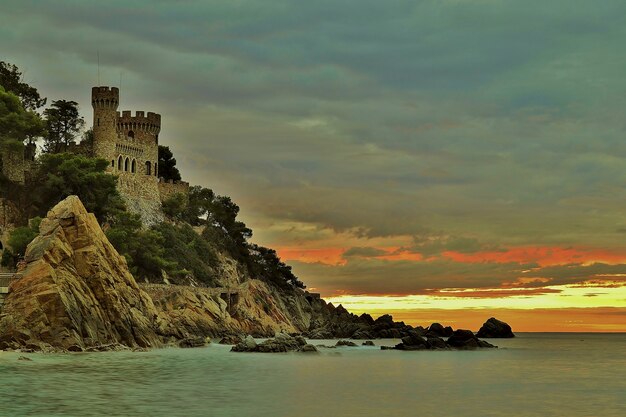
x=104, y=101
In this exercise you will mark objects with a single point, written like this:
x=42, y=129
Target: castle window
x=112, y=163
x=148, y=168
x=126, y=164
x=133, y=166
x=156, y=137
x=98, y=121
x=119, y=163
x=131, y=134
x=155, y=169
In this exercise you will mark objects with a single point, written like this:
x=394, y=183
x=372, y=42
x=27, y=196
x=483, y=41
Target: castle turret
x=104, y=101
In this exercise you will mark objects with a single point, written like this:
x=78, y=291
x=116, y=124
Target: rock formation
x=76, y=292
x=494, y=328
x=281, y=342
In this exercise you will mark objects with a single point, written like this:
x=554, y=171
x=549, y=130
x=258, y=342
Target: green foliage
x=174, y=207
x=11, y=80
x=61, y=175
x=265, y=264
x=18, y=241
x=63, y=123
x=142, y=248
x=16, y=124
x=167, y=164
x=199, y=205
x=193, y=254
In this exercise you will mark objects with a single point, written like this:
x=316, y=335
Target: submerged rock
x=345, y=343
x=494, y=328
x=368, y=343
x=192, y=342
x=465, y=339
x=230, y=340
x=281, y=342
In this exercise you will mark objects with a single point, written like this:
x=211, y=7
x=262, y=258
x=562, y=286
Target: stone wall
x=168, y=189
x=141, y=195
x=14, y=166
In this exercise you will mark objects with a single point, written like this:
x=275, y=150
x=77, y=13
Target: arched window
x=131, y=134
x=155, y=169
x=133, y=166
x=119, y=163
x=148, y=166
x=126, y=164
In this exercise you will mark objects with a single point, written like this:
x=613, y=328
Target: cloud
x=430, y=126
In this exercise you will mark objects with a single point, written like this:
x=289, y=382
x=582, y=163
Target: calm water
x=532, y=375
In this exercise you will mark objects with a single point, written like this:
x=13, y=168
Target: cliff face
x=76, y=291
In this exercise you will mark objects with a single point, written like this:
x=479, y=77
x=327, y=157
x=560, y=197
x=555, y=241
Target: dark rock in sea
x=494, y=328
x=362, y=334
x=192, y=342
x=368, y=343
x=436, y=343
x=230, y=340
x=345, y=343
x=24, y=358
x=280, y=343
x=465, y=339
x=308, y=349
x=248, y=344
x=437, y=330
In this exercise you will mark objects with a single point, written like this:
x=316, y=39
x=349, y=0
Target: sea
x=534, y=374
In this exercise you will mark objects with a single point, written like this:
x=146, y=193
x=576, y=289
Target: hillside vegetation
x=200, y=238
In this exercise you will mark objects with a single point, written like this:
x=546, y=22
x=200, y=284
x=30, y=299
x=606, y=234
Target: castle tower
x=142, y=131
x=104, y=101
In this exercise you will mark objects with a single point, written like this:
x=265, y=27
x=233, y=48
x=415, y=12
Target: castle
x=131, y=144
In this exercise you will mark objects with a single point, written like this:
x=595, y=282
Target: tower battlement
x=150, y=123
x=107, y=97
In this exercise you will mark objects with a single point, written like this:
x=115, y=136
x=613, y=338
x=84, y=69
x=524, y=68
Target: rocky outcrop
x=460, y=339
x=465, y=339
x=437, y=330
x=281, y=342
x=494, y=328
x=76, y=292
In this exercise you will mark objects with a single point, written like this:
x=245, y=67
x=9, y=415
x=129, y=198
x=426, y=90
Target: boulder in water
x=494, y=328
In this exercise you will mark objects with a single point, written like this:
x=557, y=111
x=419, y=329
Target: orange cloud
x=544, y=256
x=329, y=256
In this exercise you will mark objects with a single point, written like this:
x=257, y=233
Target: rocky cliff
x=76, y=292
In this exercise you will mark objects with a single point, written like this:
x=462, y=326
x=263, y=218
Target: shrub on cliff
x=18, y=241
x=60, y=175
x=142, y=248
x=193, y=255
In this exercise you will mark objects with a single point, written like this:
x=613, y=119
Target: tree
x=174, y=207
x=167, y=164
x=265, y=264
x=16, y=123
x=63, y=123
x=199, y=204
x=11, y=79
x=60, y=175
x=142, y=248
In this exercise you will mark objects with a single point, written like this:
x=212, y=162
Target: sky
x=440, y=160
